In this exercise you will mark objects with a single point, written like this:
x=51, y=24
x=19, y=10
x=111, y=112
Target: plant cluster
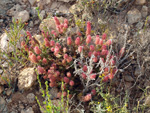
x=81, y=61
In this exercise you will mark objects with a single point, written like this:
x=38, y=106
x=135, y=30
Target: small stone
x=139, y=25
x=134, y=16
x=1, y=89
x=37, y=22
x=31, y=97
x=140, y=2
x=32, y=2
x=128, y=78
x=26, y=78
x=42, y=14
x=147, y=100
x=5, y=65
x=34, y=12
x=1, y=20
x=22, y=15
x=144, y=11
x=31, y=24
x=8, y=92
x=53, y=92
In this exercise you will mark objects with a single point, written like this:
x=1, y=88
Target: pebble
x=144, y=11
x=30, y=97
x=140, y=2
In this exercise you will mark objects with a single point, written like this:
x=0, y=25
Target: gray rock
x=42, y=14
x=53, y=93
x=31, y=24
x=26, y=78
x=5, y=5
x=147, y=100
x=34, y=12
x=22, y=15
x=15, y=9
x=140, y=2
x=134, y=16
x=1, y=71
x=32, y=2
x=144, y=11
x=1, y=20
x=139, y=25
x=31, y=97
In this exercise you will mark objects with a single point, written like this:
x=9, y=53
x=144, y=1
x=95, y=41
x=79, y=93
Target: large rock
x=22, y=15
x=134, y=16
x=3, y=106
x=49, y=23
x=5, y=46
x=140, y=2
x=5, y=5
x=15, y=9
x=26, y=78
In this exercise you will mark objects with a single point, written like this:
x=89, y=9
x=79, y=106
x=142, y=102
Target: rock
x=42, y=14
x=134, y=16
x=6, y=46
x=128, y=78
x=148, y=19
x=144, y=11
x=39, y=38
x=15, y=9
x=8, y=92
x=53, y=92
x=1, y=20
x=139, y=25
x=147, y=101
x=1, y=71
x=31, y=24
x=5, y=5
x=50, y=24
x=4, y=77
x=34, y=12
x=4, y=43
x=3, y=106
x=1, y=89
x=37, y=22
x=42, y=3
x=31, y=97
x=22, y=15
x=26, y=78
x=29, y=110
x=32, y=2
x=140, y=2
x=5, y=65
x=66, y=0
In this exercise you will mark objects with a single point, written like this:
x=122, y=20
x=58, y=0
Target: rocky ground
x=130, y=17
